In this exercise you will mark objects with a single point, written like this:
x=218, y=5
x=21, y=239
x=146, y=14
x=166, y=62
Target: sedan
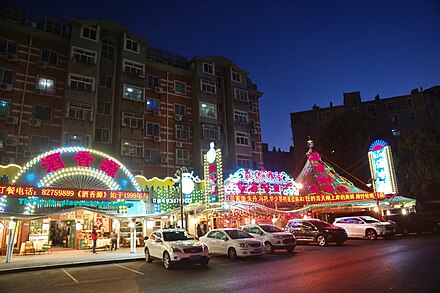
x=233, y=243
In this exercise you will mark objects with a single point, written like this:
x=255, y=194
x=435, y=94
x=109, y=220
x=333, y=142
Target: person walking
x=114, y=240
x=94, y=238
x=200, y=231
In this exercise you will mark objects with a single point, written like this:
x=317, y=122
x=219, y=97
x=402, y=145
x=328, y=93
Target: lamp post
x=186, y=186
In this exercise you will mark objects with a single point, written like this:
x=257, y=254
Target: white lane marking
x=72, y=277
x=128, y=269
x=90, y=281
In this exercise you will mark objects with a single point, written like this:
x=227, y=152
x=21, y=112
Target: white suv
x=365, y=226
x=174, y=246
x=272, y=237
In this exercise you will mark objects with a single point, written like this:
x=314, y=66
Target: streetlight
x=186, y=182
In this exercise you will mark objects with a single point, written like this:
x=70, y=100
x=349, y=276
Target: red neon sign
x=309, y=198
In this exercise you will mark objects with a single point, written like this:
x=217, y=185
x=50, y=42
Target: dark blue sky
x=299, y=53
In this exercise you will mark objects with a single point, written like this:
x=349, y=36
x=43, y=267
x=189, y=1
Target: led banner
x=382, y=167
x=71, y=193
x=309, y=198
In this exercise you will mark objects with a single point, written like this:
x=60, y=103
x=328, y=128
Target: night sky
x=299, y=53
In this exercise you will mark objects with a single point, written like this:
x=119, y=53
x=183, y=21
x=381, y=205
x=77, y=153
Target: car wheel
x=269, y=247
x=204, y=263
x=290, y=249
x=371, y=234
x=232, y=253
x=167, y=261
x=321, y=240
x=147, y=255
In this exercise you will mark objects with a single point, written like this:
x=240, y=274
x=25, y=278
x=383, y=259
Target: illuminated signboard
x=260, y=182
x=309, y=198
x=73, y=203
x=213, y=174
x=71, y=193
x=382, y=167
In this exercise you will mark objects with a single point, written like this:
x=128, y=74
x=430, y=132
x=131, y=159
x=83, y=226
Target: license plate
x=195, y=257
x=257, y=250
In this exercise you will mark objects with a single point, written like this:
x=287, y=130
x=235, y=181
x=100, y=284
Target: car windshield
x=370, y=220
x=176, y=236
x=321, y=224
x=270, y=228
x=238, y=234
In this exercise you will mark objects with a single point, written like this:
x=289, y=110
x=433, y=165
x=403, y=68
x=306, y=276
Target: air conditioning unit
x=41, y=64
x=6, y=86
x=157, y=139
x=12, y=57
x=34, y=122
x=156, y=113
x=158, y=90
x=11, y=120
x=27, y=154
x=178, y=117
x=179, y=144
x=253, y=131
x=7, y=160
x=163, y=160
x=38, y=92
x=11, y=141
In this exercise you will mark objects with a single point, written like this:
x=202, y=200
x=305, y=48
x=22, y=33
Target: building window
x=8, y=47
x=132, y=149
x=182, y=157
x=182, y=132
x=46, y=84
x=105, y=81
x=320, y=116
x=53, y=26
x=152, y=156
x=241, y=117
x=208, y=67
x=90, y=32
x=410, y=102
x=180, y=87
x=328, y=115
x=179, y=110
x=235, y=76
x=371, y=109
x=81, y=83
x=2, y=140
x=394, y=119
x=133, y=93
x=43, y=113
x=153, y=81
x=131, y=44
x=210, y=131
x=152, y=104
x=76, y=140
x=4, y=107
x=243, y=161
x=11, y=14
x=241, y=95
x=412, y=116
x=208, y=110
x=307, y=130
x=153, y=129
x=132, y=120
x=307, y=117
x=6, y=76
x=50, y=57
x=83, y=56
x=340, y=110
x=391, y=105
x=133, y=68
x=102, y=135
x=39, y=144
x=208, y=86
x=107, y=49
x=242, y=138
x=79, y=111
x=253, y=145
x=103, y=108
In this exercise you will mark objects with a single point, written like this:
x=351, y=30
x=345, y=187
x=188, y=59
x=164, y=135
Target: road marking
x=72, y=277
x=128, y=269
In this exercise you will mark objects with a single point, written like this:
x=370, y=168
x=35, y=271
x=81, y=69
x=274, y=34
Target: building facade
x=96, y=84
x=278, y=160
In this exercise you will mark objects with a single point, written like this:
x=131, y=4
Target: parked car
x=233, y=242
x=174, y=246
x=365, y=226
x=273, y=237
x=415, y=222
x=314, y=230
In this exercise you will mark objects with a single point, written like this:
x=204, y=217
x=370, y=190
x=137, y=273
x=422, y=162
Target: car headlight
x=175, y=249
x=241, y=244
x=204, y=247
x=326, y=230
x=381, y=226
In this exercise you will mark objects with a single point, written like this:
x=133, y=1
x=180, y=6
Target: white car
x=273, y=237
x=233, y=242
x=365, y=226
x=174, y=246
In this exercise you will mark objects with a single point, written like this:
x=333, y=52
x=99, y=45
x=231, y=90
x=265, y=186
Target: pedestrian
x=200, y=231
x=94, y=238
x=114, y=240
x=62, y=237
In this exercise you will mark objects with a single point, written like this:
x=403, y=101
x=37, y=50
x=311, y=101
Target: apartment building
x=94, y=83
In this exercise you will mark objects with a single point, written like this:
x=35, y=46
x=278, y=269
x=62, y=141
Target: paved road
x=408, y=264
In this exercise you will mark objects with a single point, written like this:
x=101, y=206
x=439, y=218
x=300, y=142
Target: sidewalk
x=65, y=258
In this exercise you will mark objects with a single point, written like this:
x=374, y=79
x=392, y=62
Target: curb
x=66, y=265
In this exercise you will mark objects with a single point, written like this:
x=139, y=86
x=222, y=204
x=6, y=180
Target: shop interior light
x=404, y=212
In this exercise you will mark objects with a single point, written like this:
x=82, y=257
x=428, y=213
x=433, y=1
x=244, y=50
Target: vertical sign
x=213, y=175
x=382, y=167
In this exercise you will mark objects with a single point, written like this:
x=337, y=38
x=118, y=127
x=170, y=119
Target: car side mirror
x=261, y=233
x=224, y=238
x=158, y=240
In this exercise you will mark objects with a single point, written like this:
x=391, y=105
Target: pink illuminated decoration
x=84, y=158
x=327, y=198
x=52, y=162
x=110, y=167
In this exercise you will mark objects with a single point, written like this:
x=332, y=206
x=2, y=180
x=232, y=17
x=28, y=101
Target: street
x=403, y=264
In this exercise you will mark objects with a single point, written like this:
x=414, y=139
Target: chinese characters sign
x=308, y=199
x=382, y=167
x=213, y=174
